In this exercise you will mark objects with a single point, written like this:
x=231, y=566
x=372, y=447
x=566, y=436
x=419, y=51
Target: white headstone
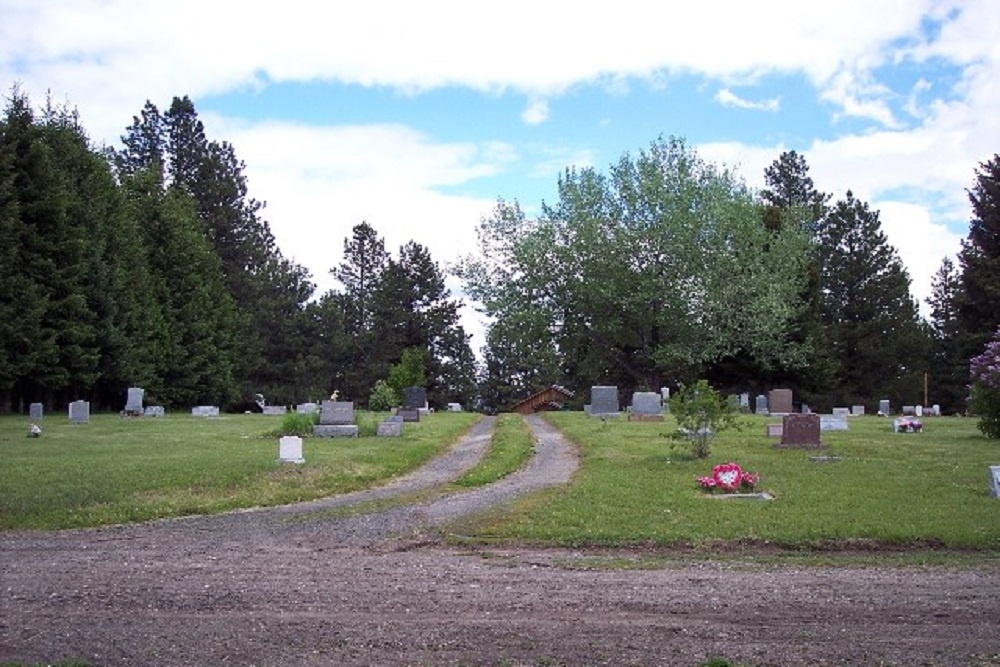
x=883, y=406
x=290, y=449
x=995, y=481
x=842, y=412
x=35, y=411
x=857, y=411
x=918, y=410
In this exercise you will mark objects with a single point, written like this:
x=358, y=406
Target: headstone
x=744, y=401
x=290, y=449
x=414, y=398
x=154, y=411
x=604, y=401
x=205, y=411
x=883, y=406
x=779, y=402
x=79, y=412
x=936, y=410
x=389, y=429
x=800, y=430
x=842, y=412
x=307, y=408
x=857, y=411
x=647, y=403
x=409, y=415
x=909, y=410
x=273, y=410
x=35, y=411
x=918, y=410
x=775, y=430
x=760, y=405
x=806, y=410
x=835, y=422
x=133, y=401
x=336, y=420
x=454, y=407
x=995, y=481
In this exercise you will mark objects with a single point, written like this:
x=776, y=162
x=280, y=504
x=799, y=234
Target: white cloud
x=536, y=113
x=728, y=98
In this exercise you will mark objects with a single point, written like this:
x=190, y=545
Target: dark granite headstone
x=799, y=430
x=760, y=405
x=604, y=401
x=414, y=398
x=409, y=415
x=779, y=402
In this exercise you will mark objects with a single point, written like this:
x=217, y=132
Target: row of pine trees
x=150, y=265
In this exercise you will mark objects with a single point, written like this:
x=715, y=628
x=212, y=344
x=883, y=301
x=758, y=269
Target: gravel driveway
x=335, y=582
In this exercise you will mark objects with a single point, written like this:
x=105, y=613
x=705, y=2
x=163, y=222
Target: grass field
x=115, y=470
x=635, y=486
x=887, y=488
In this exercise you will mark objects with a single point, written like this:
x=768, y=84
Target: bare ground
x=312, y=584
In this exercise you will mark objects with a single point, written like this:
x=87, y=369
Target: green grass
x=115, y=471
x=633, y=489
x=510, y=448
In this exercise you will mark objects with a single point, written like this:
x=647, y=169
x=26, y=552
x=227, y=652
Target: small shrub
x=294, y=423
x=383, y=397
x=985, y=403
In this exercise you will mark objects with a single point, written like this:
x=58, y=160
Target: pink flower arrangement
x=729, y=478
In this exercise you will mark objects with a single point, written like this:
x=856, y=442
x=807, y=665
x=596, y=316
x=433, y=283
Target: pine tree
x=979, y=261
x=873, y=327
x=949, y=367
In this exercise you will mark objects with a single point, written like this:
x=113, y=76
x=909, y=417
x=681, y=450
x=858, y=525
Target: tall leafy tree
x=647, y=274
x=873, y=327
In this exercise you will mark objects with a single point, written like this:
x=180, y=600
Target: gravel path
x=329, y=583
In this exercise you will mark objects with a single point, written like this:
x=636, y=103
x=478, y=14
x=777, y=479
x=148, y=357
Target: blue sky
x=416, y=117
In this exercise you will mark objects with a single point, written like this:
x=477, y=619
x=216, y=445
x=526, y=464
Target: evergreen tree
x=979, y=260
x=873, y=327
x=949, y=368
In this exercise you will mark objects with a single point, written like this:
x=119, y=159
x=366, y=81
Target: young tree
x=872, y=323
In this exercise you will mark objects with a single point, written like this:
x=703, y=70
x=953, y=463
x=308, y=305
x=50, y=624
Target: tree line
x=150, y=265
x=667, y=269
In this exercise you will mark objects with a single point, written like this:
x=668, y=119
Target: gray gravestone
x=454, y=407
x=857, y=411
x=414, y=398
x=647, y=403
x=79, y=412
x=205, y=411
x=835, y=422
x=918, y=410
x=133, y=402
x=744, y=401
x=390, y=429
x=409, y=415
x=909, y=410
x=604, y=401
x=273, y=410
x=760, y=405
x=306, y=408
x=842, y=412
x=775, y=430
x=779, y=402
x=995, y=481
x=290, y=449
x=936, y=410
x=336, y=420
x=35, y=411
x=154, y=411
x=883, y=406
x=800, y=430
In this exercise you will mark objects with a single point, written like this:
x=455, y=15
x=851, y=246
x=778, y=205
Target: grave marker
x=604, y=401
x=414, y=398
x=883, y=406
x=647, y=406
x=760, y=405
x=35, y=411
x=79, y=412
x=857, y=411
x=835, y=422
x=995, y=481
x=336, y=420
x=800, y=430
x=390, y=429
x=779, y=402
x=290, y=449
x=133, y=402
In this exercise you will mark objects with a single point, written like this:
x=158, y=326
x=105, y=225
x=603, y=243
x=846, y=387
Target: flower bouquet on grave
x=909, y=425
x=729, y=478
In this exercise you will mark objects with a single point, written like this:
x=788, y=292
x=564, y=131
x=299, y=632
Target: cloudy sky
x=417, y=116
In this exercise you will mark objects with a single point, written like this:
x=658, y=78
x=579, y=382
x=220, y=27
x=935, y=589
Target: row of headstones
x=645, y=404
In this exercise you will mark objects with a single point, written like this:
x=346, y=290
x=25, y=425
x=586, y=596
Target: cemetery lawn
x=636, y=487
x=115, y=470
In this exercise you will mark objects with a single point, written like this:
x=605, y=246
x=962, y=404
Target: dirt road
x=309, y=585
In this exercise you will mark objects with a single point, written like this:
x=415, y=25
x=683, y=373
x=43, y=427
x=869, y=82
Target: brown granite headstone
x=799, y=430
x=779, y=402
